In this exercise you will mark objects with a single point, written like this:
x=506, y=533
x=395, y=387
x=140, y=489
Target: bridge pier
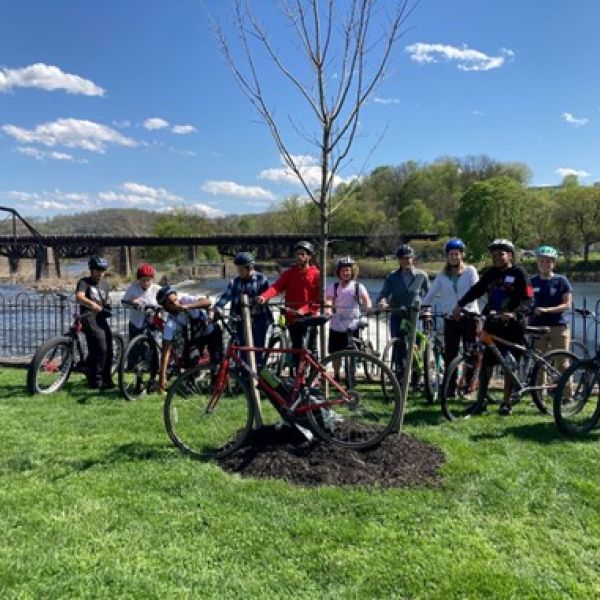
x=191, y=252
x=124, y=261
x=13, y=265
x=42, y=262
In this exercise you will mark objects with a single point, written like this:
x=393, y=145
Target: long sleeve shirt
x=445, y=292
x=401, y=287
x=301, y=288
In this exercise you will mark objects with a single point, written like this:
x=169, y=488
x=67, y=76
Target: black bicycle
x=58, y=357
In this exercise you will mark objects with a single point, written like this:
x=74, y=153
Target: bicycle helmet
x=145, y=270
x=502, y=244
x=548, y=251
x=455, y=244
x=404, y=251
x=346, y=261
x=98, y=263
x=304, y=245
x=164, y=293
x=244, y=259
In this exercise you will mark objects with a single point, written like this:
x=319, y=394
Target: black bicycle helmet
x=346, y=261
x=304, y=245
x=98, y=263
x=404, y=251
x=244, y=259
x=502, y=244
x=164, y=293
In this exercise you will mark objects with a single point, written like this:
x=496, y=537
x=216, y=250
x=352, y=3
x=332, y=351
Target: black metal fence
x=27, y=320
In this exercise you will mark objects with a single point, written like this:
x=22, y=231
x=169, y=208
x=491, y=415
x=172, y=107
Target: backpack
x=336, y=285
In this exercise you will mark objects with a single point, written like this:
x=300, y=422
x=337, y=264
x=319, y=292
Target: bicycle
x=204, y=423
x=466, y=389
x=424, y=369
x=58, y=357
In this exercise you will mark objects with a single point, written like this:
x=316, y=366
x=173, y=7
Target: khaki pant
x=558, y=338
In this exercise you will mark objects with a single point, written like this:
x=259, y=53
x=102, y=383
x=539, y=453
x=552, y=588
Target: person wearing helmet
x=400, y=289
x=252, y=283
x=141, y=293
x=451, y=283
x=509, y=299
x=552, y=295
x=344, y=298
x=92, y=295
x=188, y=322
x=300, y=286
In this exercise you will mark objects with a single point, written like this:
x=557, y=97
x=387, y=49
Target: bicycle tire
x=275, y=361
x=138, y=369
x=579, y=349
x=429, y=373
x=576, y=405
x=371, y=370
x=203, y=434
x=549, y=366
x=51, y=366
x=118, y=346
x=369, y=417
x=460, y=397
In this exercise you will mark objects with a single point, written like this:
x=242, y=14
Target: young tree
x=345, y=47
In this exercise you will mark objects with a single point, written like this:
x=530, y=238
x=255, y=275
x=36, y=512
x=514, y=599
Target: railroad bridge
x=50, y=249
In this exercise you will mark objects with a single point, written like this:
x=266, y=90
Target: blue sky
x=129, y=103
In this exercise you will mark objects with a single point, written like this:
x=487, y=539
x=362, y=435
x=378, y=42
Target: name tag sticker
x=536, y=290
x=509, y=279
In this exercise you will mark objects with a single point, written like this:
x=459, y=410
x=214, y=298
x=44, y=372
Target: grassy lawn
x=96, y=503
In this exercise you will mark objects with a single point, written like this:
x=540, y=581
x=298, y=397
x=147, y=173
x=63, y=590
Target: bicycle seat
x=536, y=330
x=313, y=321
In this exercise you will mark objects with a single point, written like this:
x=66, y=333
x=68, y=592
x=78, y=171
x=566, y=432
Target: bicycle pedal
x=307, y=433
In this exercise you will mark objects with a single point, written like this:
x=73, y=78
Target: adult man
x=400, y=289
x=509, y=297
x=552, y=296
x=141, y=293
x=186, y=312
x=300, y=284
x=92, y=295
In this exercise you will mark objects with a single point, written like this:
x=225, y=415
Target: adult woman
x=451, y=284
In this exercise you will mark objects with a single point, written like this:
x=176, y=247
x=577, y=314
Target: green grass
x=96, y=503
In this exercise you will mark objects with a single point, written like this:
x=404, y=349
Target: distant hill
x=109, y=221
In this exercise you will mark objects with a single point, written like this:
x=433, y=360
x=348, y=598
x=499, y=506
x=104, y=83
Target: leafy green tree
x=416, y=218
x=491, y=209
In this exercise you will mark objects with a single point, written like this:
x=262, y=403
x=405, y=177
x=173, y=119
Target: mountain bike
x=278, y=338
x=425, y=363
x=203, y=422
x=58, y=357
x=467, y=388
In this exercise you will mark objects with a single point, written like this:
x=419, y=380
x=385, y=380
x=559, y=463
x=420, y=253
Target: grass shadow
x=423, y=416
x=541, y=433
x=8, y=392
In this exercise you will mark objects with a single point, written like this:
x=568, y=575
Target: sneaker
x=505, y=410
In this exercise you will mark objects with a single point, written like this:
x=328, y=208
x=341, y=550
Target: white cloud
x=49, y=78
x=183, y=129
x=566, y=171
x=155, y=123
x=386, y=101
x=50, y=205
x=209, y=211
x=307, y=165
x=73, y=133
x=230, y=188
x=56, y=200
x=139, y=195
x=122, y=124
x=576, y=122
x=145, y=190
x=44, y=154
x=468, y=59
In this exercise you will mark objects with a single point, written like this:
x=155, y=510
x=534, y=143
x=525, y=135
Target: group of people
x=512, y=297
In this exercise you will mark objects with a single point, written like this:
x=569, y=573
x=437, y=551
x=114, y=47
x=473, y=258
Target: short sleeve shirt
x=97, y=291
x=346, y=303
x=548, y=293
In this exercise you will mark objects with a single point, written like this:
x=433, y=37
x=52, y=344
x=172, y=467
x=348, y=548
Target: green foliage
x=490, y=209
x=96, y=503
x=416, y=217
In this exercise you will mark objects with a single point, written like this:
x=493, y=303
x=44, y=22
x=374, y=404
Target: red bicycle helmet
x=145, y=270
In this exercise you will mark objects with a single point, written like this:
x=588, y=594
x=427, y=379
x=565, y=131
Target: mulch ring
x=399, y=461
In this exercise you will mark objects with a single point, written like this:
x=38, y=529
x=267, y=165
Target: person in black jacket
x=509, y=299
x=92, y=295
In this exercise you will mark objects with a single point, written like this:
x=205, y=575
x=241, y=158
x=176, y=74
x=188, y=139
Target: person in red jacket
x=300, y=284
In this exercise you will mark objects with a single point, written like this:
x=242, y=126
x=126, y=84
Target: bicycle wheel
x=576, y=405
x=51, y=366
x=432, y=372
x=359, y=415
x=201, y=427
x=546, y=374
x=579, y=349
x=459, y=396
x=276, y=360
x=139, y=367
x=371, y=369
x=118, y=345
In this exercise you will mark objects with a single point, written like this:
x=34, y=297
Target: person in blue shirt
x=252, y=283
x=552, y=295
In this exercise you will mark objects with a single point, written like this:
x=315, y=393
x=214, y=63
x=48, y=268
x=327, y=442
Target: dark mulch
x=399, y=461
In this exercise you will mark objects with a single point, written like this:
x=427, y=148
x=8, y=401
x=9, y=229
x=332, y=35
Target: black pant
x=297, y=337
x=455, y=331
x=100, y=351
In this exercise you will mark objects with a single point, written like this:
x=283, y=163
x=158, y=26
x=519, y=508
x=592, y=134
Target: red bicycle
x=350, y=410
